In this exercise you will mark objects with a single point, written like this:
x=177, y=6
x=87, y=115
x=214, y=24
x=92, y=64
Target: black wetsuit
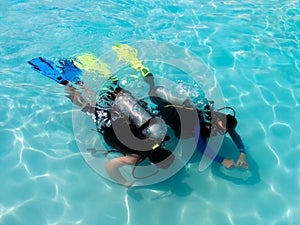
x=126, y=133
x=193, y=126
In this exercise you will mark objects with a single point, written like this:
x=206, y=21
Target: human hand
x=228, y=163
x=242, y=162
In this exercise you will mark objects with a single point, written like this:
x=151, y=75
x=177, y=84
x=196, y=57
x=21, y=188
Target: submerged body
x=207, y=123
x=128, y=125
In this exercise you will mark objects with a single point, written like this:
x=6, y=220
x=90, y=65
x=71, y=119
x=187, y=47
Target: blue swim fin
x=48, y=69
x=70, y=71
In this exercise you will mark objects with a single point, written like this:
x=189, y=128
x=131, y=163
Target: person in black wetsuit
x=208, y=123
x=127, y=127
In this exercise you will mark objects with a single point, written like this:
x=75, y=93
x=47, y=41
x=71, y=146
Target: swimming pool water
x=251, y=49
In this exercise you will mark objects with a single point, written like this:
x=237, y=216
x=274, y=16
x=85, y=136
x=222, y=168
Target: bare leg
x=113, y=166
x=76, y=96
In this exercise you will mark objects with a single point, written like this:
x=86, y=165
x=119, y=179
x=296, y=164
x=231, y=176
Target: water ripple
x=252, y=49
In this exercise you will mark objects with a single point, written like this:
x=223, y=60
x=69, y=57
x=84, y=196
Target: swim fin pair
x=63, y=74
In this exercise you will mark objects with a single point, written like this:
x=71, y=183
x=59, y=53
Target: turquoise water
x=252, y=51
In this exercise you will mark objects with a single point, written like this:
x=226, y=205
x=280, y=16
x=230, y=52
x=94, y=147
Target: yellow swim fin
x=129, y=55
x=90, y=63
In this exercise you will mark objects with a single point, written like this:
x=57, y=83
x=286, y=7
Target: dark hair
x=160, y=154
x=228, y=119
x=231, y=121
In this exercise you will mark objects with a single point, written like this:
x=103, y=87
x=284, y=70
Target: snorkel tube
x=227, y=107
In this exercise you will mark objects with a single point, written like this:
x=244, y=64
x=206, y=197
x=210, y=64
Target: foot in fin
x=129, y=55
x=70, y=71
x=48, y=69
x=90, y=63
x=145, y=72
